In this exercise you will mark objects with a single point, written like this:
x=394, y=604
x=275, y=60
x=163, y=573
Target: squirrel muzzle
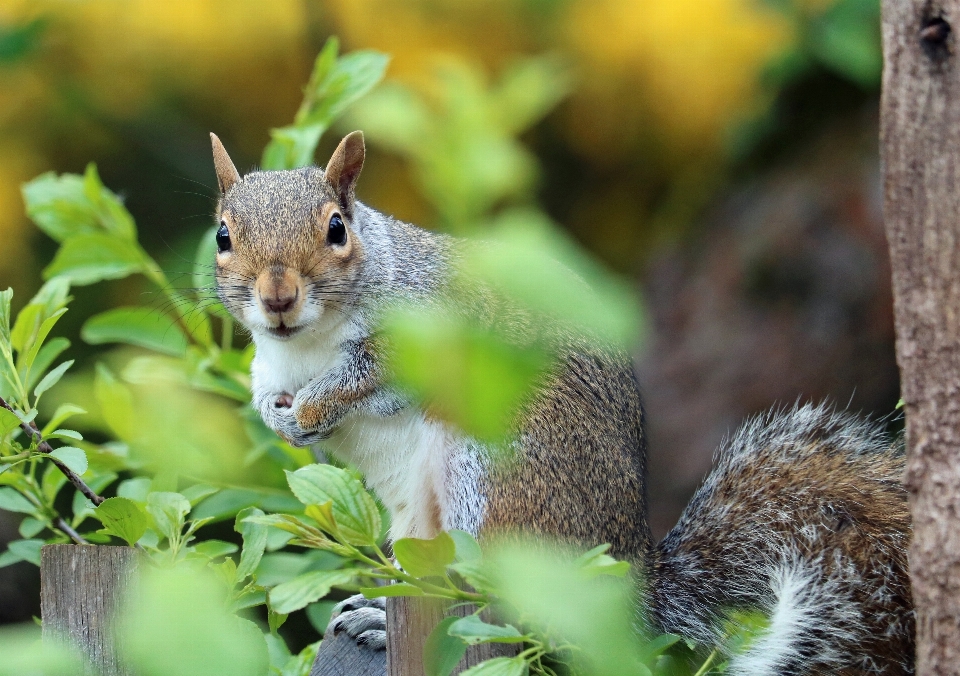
x=280, y=293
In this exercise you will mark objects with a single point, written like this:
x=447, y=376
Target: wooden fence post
x=410, y=620
x=80, y=587
x=920, y=149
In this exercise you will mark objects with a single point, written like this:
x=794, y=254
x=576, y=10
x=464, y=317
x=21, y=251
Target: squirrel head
x=288, y=256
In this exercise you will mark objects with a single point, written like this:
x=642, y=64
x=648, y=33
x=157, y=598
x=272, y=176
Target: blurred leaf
x=18, y=40
x=846, y=38
x=74, y=458
x=307, y=588
x=355, y=511
x=598, y=562
x=177, y=625
x=140, y=326
x=472, y=630
x=51, y=378
x=334, y=84
x=499, y=666
x=30, y=527
x=254, y=542
x=169, y=512
x=123, y=518
x=68, y=206
x=441, y=651
x=319, y=615
x=12, y=501
x=469, y=375
x=86, y=259
x=135, y=489
x=27, y=550
x=425, y=558
x=116, y=403
x=529, y=90
x=24, y=654
x=63, y=413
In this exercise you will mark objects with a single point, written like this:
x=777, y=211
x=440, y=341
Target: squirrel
x=804, y=515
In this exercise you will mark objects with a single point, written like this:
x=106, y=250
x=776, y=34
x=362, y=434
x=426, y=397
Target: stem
x=226, y=328
x=43, y=447
x=70, y=532
x=706, y=665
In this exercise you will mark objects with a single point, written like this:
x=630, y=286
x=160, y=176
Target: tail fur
x=804, y=518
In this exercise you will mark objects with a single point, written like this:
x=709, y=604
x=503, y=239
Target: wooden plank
x=80, y=586
x=920, y=149
x=410, y=621
x=340, y=656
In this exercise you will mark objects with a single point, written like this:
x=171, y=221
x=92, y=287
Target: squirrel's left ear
x=344, y=167
x=227, y=174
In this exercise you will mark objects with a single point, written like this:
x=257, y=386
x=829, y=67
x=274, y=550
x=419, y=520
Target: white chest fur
x=421, y=469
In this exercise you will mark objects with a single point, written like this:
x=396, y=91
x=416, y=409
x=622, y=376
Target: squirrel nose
x=279, y=304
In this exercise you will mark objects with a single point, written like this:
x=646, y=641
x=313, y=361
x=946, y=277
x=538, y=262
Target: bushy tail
x=805, y=519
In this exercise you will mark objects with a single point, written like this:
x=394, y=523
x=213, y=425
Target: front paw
x=277, y=411
x=364, y=620
x=319, y=415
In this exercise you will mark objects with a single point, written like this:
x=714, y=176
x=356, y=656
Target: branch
x=66, y=528
x=44, y=447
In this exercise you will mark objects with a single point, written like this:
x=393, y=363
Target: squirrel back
x=804, y=516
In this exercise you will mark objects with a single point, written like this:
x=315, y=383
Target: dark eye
x=336, y=233
x=223, y=238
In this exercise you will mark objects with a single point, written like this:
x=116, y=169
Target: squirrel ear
x=226, y=173
x=344, y=167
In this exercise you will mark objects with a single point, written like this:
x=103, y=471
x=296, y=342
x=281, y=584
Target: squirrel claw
x=284, y=400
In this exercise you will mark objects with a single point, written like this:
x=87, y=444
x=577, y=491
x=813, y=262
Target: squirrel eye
x=223, y=238
x=336, y=233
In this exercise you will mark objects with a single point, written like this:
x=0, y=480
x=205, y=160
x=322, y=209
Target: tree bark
x=920, y=149
x=80, y=587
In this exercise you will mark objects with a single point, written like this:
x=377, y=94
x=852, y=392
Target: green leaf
x=441, y=651
x=355, y=511
x=319, y=614
x=598, y=562
x=27, y=550
x=307, y=588
x=475, y=574
x=8, y=422
x=51, y=379
x=135, y=489
x=650, y=651
x=123, y=518
x=169, y=512
x=139, y=326
x=398, y=589
x=63, y=413
x=213, y=549
x=50, y=350
x=425, y=558
x=27, y=359
x=6, y=297
x=30, y=527
x=472, y=630
x=499, y=666
x=334, y=85
x=254, y=542
x=198, y=492
x=86, y=259
x=12, y=501
x=468, y=549
x=74, y=458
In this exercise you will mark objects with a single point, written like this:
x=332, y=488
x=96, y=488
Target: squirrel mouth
x=283, y=331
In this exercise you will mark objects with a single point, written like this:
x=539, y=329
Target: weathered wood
x=340, y=656
x=409, y=623
x=920, y=146
x=80, y=586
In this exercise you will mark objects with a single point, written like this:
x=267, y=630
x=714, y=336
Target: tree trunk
x=920, y=147
x=80, y=587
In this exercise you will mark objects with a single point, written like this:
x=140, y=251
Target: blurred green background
x=721, y=154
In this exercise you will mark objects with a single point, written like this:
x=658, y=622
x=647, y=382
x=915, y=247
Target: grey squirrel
x=803, y=517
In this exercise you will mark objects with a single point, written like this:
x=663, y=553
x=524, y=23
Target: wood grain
x=409, y=623
x=920, y=149
x=80, y=586
x=340, y=656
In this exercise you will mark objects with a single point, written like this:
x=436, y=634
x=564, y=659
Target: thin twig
x=44, y=447
x=66, y=528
